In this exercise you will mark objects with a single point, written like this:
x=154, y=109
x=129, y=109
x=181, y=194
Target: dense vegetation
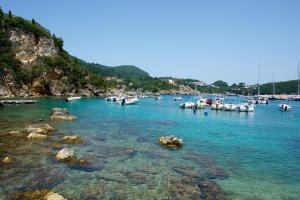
x=133, y=77
x=126, y=72
x=286, y=87
x=72, y=75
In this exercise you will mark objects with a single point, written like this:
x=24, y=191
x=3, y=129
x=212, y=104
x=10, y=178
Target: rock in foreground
x=170, y=141
x=61, y=114
x=7, y=160
x=38, y=128
x=65, y=154
x=38, y=131
x=38, y=194
x=36, y=136
x=72, y=139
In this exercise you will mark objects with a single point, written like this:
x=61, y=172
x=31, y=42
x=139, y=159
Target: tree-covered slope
x=126, y=72
x=32, y=61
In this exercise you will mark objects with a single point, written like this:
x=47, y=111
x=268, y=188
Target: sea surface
x=226, y=155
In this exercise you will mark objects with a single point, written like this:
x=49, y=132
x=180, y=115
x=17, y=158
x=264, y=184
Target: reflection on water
x=226, y=155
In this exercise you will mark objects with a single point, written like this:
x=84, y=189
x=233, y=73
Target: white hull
x=72, y=98
x=230, y=107
x=284, y=107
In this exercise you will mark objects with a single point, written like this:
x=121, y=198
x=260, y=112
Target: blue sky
x=206, y=40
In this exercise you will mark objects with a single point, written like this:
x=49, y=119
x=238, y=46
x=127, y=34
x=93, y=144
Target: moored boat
x=245, y=108
x=230, y=107
x=188, y=105
x=178, y=98
x=284, y=107
x=128, y=101
x=72, y=98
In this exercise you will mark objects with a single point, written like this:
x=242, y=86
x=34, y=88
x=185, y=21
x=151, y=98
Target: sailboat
x=259, y=99
x=273, y=96
x=297, y=97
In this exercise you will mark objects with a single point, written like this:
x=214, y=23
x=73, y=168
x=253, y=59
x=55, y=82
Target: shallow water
x=226, y=155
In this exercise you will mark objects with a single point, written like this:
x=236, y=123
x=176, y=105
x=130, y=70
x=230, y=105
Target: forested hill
x=126, y=72
x=283, y=87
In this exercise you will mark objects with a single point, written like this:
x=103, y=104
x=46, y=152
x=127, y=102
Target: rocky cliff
x=28, y=46
x=34, y=63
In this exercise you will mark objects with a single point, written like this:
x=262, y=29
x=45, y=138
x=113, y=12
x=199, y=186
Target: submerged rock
x=38, y=128
x=210, y=190
x=38, y=195
x=85, y=165
x=61, y=114
x=7, y=160
x=36, y=136
x=170, y=141
x=54, y=196
x=136, y=178
x=16, y=133
x=65, y=154
x=72, y=139
x=56, y=146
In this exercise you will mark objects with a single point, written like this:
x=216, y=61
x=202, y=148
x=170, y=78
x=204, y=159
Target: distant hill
x=283, y=87
x=126, y=72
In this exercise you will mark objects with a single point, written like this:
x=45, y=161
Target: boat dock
x=19, y=101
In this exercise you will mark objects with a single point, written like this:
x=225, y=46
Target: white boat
x=112, y=98
x=229, y=107
x=284, y=107
x=245, y=108
x=178, y=98
x=201, y=103
x=158, y=98
x=187, y=105
x=72, y=98
x=217, y=106
x=128, y=101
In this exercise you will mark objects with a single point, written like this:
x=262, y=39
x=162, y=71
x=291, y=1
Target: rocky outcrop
x=38, y=131
x=72, y=139
x=65, y=154
x=36, y=136
x=170, y=141
x=39, y=128
x=28, y=46
x=61, y=114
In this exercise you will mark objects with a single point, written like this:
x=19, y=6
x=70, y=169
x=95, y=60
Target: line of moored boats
x=220, y=104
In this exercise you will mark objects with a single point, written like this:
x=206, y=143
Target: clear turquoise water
x=242, y=156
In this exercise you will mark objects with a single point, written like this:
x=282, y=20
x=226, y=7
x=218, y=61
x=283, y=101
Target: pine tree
x=33, y=21
x=9, y=14
x=1, y=14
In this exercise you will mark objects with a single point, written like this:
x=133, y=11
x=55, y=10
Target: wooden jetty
x=19, y=101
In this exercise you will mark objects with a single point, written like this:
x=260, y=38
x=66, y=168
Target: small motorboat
x=209, y=102
x=284, y=107
x=178, y=98
x=245, y=108
x=128, y=101
x=72, y=98
x=112, y=98
x=229, y=107
x=201, y=103
x=158, y=98
x=217, y=106
x=187, y=105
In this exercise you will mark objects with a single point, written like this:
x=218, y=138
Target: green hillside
x=126, y=72
x=284, y=87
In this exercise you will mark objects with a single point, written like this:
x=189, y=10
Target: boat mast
x=273, y=85
x=258, y=91
x=298, y=81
